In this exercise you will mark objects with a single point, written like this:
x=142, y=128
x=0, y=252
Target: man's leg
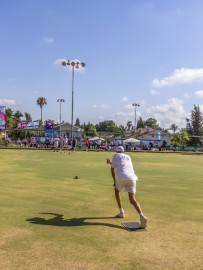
x=135, y=203
x=119, y=202
x=118, y=198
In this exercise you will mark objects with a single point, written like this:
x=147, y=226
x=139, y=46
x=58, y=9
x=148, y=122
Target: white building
x=154, y=136
x=151, y=135
x=66, y=130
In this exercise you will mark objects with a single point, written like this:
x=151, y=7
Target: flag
x=33, y=124
x=49, y=125
x=22, y=124
x=2, y=117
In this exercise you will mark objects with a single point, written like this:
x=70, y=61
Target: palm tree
x=28, y=117
x=41, y=101
x=17, y=115
x=174, y=127
x=129, y=125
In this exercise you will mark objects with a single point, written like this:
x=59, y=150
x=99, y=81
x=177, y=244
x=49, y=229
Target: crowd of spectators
x=87, y=143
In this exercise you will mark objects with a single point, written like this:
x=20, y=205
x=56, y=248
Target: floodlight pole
x=136, y=105
x=72, y=103
x=60, y=100
x=74, y=65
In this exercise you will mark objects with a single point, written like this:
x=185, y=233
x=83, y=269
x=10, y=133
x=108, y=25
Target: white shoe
x=120, y=215
x=143, y=222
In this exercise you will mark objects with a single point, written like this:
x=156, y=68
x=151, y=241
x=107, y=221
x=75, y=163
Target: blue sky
x=148, y=52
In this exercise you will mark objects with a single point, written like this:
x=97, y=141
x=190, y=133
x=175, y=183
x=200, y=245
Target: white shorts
x=128, y=185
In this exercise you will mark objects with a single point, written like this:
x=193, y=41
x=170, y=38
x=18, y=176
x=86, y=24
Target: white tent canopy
x=96, y=138
x=131, y=140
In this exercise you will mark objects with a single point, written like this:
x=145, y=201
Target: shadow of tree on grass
x=58, y=220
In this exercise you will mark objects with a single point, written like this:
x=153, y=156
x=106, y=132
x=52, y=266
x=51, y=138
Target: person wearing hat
x=124, y=177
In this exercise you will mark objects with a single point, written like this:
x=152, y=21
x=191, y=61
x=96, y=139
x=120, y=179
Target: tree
x=41, y=101
x=17, y=118
x=194, y=126
x=89, y=130
x=174, y=127
x=9, y=119
x=140, y=123
x=77, y=122
x=17, y=115
x=151, y=122
x=180, y=138
x=121, y=129
x=83, y=126
x=12, y=121
x=28, y=117
x=106, y=126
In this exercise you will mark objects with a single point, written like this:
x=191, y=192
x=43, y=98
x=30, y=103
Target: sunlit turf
x=50, y=220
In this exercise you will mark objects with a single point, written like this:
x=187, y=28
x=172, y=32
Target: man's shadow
x=58, y=220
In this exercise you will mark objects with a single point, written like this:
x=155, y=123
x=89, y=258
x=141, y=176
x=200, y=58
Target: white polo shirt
x=123, y=167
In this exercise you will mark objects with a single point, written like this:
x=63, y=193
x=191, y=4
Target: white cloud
x=7, y=101
x=180, y=76
x=58, y=62
x=154, y=92
x=170, y=113
x=123, y=114
x=105, y=106
x=201, y=108
x=141, y=102
x=186, y=95
x=199, y=93
x=129, y=106
x=125, y=99
x=122, y=118
x=48, y=39
x=36, y=92
x=102, y=106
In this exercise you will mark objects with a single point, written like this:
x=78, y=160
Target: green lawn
x=50, y=220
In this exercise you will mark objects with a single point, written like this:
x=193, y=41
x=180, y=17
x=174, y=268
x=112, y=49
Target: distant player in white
x=56, y=143
x=124, y=177
x=65, y=143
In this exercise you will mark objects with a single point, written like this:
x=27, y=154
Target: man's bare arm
x=113, y=176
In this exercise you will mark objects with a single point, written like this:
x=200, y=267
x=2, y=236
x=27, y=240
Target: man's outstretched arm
x=108, y=161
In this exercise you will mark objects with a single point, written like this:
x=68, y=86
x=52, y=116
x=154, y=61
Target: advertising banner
x=51, y=133
x=2, y=117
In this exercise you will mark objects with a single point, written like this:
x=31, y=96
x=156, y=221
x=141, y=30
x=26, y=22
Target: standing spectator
x=7, y=141
x=98, y=143
x=87, y=143
x=18, y=142
x=25, y=142
x=47, y=142
x=74, y=142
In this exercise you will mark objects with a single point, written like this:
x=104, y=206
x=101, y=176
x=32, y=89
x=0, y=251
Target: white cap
x=120, y=149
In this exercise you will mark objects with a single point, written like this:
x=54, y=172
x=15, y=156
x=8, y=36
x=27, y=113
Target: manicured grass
x=50, y=220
